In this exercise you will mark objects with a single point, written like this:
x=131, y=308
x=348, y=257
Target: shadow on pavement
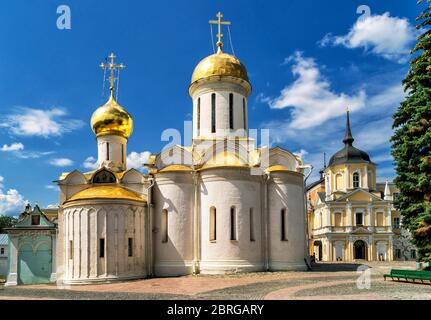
x=335, y=267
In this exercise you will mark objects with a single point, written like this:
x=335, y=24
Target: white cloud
x=43, y=123
x=90, y=163
x=32, y=154
x=51, y=187
x=13, y=147
x=371, y=120
x=383, y=35
x=61, y=162
x=302, y=153
x=136, y=159
x=310, y=96
x=17, y=149
x=52, y=206
x=11, y=201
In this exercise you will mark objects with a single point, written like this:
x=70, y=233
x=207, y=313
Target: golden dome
x=220, y=64
x=111, y=118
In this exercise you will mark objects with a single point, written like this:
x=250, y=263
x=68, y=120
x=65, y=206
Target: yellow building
x=350, y=215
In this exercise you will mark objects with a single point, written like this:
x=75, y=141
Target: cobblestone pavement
x=335, y=281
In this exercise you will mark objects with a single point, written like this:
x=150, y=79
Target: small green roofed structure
x=31, y=249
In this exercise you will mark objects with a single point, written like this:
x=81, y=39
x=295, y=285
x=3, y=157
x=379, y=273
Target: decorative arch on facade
x=175, y=155
x=230, y=148
x=75, y=178
x=132, y=176
x=104, y=176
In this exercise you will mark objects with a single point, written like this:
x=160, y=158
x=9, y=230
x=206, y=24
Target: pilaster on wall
x=349, y=217
x=12, y=278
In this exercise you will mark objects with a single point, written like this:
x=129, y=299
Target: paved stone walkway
x=326, y=282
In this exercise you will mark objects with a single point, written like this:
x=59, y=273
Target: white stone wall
x=174, y=192
x=285, y=190
x=222, y=91
x=85, y=225
x=117, y=156
x=222, y=189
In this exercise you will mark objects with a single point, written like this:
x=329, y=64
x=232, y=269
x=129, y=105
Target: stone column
x=390, y=249
x=370, y=218
x=350, y=249
x=371, y=249
x=366, y=183
x=54, y=262
x=12, y=277
x=349, y=217
x=347, y=178
x=389, y=214
x=327, y=187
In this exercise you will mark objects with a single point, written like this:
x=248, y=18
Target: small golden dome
x=111, y=118
x=220, y=64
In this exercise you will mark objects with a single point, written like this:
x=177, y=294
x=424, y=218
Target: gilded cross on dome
x=112, y=67
x=219, y=22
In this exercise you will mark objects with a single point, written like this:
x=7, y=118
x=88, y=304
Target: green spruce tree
x=411, y=143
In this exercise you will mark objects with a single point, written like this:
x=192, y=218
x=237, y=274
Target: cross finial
x=112, y=67
x=219, y=23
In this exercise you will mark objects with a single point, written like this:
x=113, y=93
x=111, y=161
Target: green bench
x=409, y=275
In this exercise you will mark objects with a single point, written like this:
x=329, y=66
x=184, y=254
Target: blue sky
x=306, y=60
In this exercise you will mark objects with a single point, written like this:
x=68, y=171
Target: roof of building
x=277, y=168
x=349, y=154
x=3, y=239
x=175, y=168
x=106, y=192
x=315, y=183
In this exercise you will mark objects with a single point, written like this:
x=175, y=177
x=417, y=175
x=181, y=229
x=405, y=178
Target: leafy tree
x=7, y=222
x=411, y=143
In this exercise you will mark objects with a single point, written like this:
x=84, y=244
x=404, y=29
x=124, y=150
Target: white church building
x=220, y=205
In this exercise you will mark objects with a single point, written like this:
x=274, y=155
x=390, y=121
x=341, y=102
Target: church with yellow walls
x=350, y=215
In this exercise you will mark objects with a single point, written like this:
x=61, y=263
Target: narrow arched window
x=122, y=153
x=199, y=114
x=213, y=113
x=107, y=151
x=244, y=114
x=233, y=231
x=283, y=225
x=356, y=181
x=130, y=247
x=231, y=111
x=252, y=238
x=213, y=224
x=164, y=224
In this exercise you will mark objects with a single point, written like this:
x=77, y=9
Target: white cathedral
x=220, y=205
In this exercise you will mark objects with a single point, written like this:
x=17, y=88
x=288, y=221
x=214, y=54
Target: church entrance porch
x=360, y=250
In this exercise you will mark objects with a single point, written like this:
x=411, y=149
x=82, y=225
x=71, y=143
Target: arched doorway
x=360, y=250
x=318, y=250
